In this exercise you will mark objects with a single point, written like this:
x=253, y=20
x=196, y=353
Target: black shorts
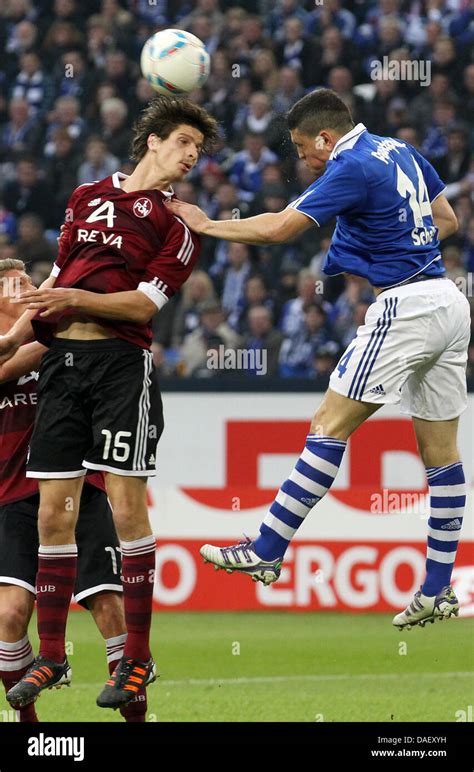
x=98, y=565
x=99, y=407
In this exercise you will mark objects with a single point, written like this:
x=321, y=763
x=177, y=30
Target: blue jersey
x=381, y=190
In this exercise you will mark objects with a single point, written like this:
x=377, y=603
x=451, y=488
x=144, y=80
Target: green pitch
x=281, y=667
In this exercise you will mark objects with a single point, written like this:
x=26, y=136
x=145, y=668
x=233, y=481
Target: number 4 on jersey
x=104, y=212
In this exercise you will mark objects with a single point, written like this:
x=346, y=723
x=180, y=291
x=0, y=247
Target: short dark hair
x=163, y=115
x=321, y=109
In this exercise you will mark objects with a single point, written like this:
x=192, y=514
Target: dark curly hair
x=163, y=115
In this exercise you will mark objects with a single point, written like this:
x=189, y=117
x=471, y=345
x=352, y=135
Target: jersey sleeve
x=434, y=184
x=173, y=264
x=341, y=188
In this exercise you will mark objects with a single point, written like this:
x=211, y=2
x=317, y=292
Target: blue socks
x=311, y=478
x=447, y=500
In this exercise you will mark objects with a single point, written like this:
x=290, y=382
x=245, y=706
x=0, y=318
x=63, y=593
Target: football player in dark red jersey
x=98, y=585
x=121, y=257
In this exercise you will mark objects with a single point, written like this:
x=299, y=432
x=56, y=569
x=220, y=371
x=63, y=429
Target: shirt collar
x=118, y=176
x=347, y=141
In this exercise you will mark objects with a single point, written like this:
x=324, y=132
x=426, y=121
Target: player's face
x=314, y=151
x=178, y=154
x=12, y=283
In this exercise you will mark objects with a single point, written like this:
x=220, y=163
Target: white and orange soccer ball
x=175, y=62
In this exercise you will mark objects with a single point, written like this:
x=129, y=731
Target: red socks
x=54, y=587
x=138, y=574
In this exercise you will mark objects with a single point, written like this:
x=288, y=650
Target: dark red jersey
x=115, y=242
x=18, y=400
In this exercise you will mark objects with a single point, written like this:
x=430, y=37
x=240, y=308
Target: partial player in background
x=122, y=256
x=391, y=215
x=98, y=586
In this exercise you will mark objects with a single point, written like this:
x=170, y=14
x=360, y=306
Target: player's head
x=13, y=280
x=316, y=122
x=170, y=134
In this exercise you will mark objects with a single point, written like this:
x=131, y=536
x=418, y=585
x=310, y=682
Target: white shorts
x=412, y=349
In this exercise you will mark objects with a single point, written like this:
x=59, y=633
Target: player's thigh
x=127, y=415
x=62, y=431
x=99, y=558
x=338, y=416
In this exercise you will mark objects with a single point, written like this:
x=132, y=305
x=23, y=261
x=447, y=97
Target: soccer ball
x=175, y=62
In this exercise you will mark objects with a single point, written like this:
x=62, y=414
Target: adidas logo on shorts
x=378, y=389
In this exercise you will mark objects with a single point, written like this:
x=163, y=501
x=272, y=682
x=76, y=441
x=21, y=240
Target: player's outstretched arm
x=444, y=217
x=270, y=228
x=131, y=306
x=26, y=359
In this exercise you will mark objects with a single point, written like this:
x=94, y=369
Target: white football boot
x=424, y=608
x=241, y=557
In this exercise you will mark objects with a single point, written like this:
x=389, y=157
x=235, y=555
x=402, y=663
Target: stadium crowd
x=71, y=88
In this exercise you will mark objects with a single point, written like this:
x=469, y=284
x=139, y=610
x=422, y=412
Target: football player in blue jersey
x=391, y=216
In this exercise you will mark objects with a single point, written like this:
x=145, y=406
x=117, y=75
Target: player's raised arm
x=268, y=228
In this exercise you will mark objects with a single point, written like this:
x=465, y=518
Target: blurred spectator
x=455, y=163
x=32, y=245
x=99, y=162
x=115, y=131
x=39, y=271
x=292, y=316
x=234, y=281
x=62, y=36
x=73, y=78
x=263, y=337
x=298, y=50
x=61, y=170
x=195, y=291
x=66, y=116
x=357, y=291
x=7, y=224
x=212, y=331
x=297, y=348
x=99, y=40
x=29, y=193
x=21, y=133
x=289, y=89
x=248, y=165
x=325, y=358
x=33, y=85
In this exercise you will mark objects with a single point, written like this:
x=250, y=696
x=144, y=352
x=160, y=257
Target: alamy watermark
x=222, y=358
x=405, y=69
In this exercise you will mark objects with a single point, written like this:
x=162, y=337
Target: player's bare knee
x=438, y=455
x=56, y=523
x=14, y=615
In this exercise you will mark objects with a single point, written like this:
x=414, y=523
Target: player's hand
x=194, y=217
x=61, y=232
x=49, y=300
